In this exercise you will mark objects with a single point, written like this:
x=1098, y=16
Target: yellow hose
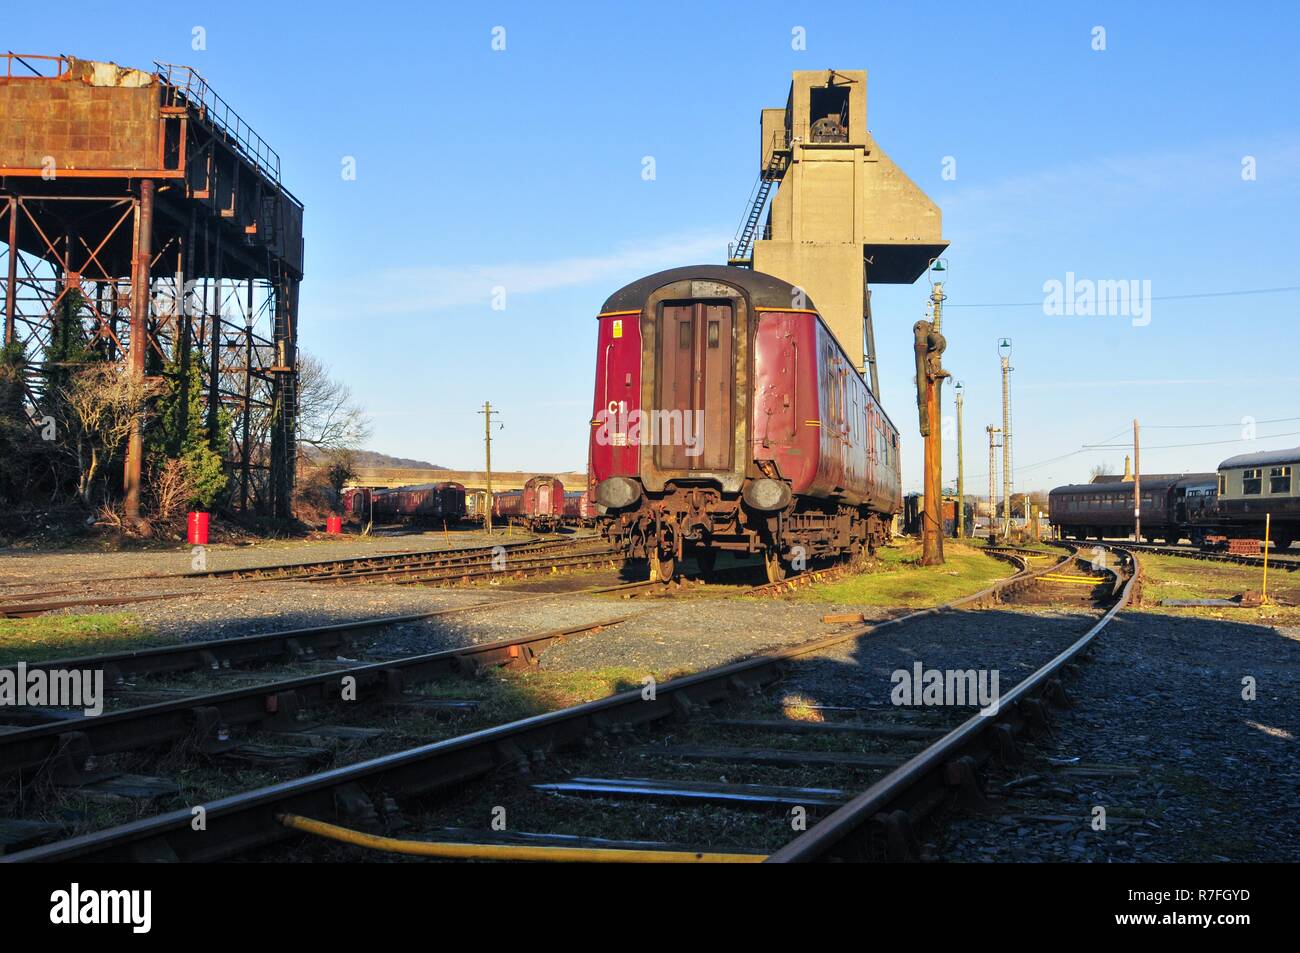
x=584, y=855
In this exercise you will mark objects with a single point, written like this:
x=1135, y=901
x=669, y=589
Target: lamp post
x=1004, y=353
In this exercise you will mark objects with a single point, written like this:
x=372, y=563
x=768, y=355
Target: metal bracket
x=961, y=774
x=212, y=733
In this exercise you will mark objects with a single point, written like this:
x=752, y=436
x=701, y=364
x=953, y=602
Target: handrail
x=63, y=64
x=188, y=87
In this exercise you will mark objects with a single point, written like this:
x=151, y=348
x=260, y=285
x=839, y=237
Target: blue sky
x=522, y=168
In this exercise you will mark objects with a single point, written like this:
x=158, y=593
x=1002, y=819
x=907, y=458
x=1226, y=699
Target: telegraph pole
x=993, y=478
x=1137, y=483
x=487, y=413
x=929, y=347
x=1004, y=351
x=961, y=469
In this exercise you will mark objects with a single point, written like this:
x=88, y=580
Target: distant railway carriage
x=1197, y=506
x=1233, y=502
x=356, y=502
x=588, y=511
x=1099, y=510
x=476, y=505
x=727, y=417
x=1254, y=485
x=579, y=508
x=539, y=506
x=436, y=503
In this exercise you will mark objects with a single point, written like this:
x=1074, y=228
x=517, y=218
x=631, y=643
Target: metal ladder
x=742, y=251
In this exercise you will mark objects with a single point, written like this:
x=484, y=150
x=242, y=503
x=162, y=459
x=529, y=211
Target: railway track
x=447, y=567
x=321, y=569
x=202, y=717
x=70, y=752
x=23, y=608
x=413, y=566
x=366, y=795
x=885, y=815
x=1282, y=561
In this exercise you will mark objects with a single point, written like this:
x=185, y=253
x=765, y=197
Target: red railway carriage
x=356, y=502
x=579, y=508
x=727, y=417
x=539, y=505
x=425, y=503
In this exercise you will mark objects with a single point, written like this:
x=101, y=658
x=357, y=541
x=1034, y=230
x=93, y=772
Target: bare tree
x=1101, y=469
x=329, y=418
x=172, y=487
x=102, y=402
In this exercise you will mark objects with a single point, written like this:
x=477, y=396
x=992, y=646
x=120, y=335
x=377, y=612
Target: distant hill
x=372, y=459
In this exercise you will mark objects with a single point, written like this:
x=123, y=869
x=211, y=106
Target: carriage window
x=713, y=334
x=1279, y=480
x=1250, y=482
x=684, y=335
x=1223, y=483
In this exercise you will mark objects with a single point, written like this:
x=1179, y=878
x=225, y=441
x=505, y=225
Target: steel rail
x=1276, y=560
x=526, y=565
x=26, y=610
x=823, y=838
x=69, y=745
x=477, y=557
x=247, y=820
x=375, y=563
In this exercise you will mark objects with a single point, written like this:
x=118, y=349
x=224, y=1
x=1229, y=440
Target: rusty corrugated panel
x=79, y=127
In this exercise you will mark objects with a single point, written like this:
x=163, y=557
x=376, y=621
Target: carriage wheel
x=662, y=567
x=773, y=564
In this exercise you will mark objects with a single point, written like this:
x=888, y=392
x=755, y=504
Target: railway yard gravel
x=1211, y=777
x=1160, y=735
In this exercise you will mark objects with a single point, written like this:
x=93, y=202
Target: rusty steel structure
x=139, y=205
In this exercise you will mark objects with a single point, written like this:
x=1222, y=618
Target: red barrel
x=334, y=525
x=198, y=529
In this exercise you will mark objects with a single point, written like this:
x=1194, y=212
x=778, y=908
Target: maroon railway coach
x=539, y=506
x=422, y=503
x=728, y=417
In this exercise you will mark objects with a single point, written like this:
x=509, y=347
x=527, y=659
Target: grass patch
x=544, y=690
x=58, y=636
x=897, y=579
x=1176, y=577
